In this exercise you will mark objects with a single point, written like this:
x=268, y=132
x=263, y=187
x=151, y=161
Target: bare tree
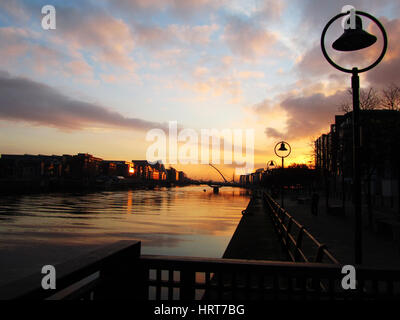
x=345, y=106
x=391, y=97
x=369, y=100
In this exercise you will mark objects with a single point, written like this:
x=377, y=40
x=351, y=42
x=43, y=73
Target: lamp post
x=270, y=164
x=282, y=153
x=352, y=40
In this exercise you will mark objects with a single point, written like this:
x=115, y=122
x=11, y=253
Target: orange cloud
x=216, y=87
x=307, y=115
x=250, y=74
x=152, y=36
x=248, y=39
x=106, y=39
x=80, y=68
x=183, y=8
x=12, y=44
x=387, y=72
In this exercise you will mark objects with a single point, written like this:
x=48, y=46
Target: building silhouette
x=83, y=169
x=379, y=161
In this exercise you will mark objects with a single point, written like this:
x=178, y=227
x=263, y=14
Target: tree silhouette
x=369, y=100
x=391, y=97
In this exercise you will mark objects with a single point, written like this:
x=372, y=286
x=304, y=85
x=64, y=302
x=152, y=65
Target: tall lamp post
x=351, y=40
x=283, y=151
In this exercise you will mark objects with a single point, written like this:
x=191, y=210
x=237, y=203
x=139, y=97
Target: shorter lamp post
x=270, y=164
x=283, y=152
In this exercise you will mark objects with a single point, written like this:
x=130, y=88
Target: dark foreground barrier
x=120, y=272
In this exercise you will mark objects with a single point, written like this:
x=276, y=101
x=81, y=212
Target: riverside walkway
x=255, y=237
x=338, y=234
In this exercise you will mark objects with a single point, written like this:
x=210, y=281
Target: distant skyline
x=113, y=70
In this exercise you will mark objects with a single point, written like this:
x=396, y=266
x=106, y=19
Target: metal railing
x=188, y=279
x=120, y=272
x=300, y=244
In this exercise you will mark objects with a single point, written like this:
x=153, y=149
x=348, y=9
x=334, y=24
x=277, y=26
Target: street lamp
x=270, y=164
x=351, y=40
x=283, y=151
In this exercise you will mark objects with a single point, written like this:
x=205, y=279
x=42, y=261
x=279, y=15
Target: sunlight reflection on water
x=50, y=228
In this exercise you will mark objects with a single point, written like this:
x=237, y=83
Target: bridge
x=217, y=185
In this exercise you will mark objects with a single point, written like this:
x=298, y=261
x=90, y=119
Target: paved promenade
x=338, y=234
x=255, y=237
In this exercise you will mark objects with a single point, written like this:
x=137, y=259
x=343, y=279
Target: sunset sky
x=113, y=70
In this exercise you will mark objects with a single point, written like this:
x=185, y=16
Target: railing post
x=299, y=241
x=187, y=290
x=320, y=252
x=119, y=274
x=288, y=227
x=142, y=281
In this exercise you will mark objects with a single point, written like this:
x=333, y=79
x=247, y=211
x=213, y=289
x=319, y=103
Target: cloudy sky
x=112, y=70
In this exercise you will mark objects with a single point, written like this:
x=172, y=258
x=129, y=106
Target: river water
x=44, y=229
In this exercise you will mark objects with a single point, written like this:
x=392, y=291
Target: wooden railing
x=300, y=244
x=120, y=272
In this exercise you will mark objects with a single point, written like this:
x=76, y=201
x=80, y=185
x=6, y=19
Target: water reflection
x=129, y=202
x=49, y=228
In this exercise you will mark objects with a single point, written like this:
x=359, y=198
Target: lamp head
x=282, y=147
x=354, y=39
